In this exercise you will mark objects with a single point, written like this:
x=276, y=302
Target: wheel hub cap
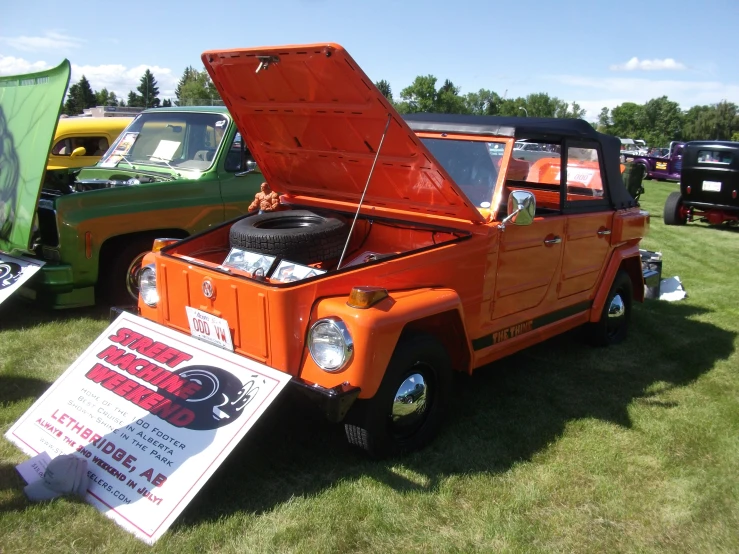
x=617, y=307
x=132, y=276
x=409, y=404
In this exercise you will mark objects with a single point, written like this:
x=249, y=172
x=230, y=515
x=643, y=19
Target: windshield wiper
x=124, y=159
x=165, y=162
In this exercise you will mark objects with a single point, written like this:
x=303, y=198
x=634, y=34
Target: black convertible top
x=518, y=127
x=536, y=128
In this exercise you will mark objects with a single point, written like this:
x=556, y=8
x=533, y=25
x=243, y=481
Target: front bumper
x=54, y=278
x=53, y=286
x=334, y=402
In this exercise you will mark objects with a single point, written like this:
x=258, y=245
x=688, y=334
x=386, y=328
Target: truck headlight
x=148, y=285
x=330, y=344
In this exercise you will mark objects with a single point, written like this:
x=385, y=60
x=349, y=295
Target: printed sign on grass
x=14, y=272
x=154, y=412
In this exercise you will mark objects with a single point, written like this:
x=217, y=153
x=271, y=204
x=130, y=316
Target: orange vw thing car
x=404, y=249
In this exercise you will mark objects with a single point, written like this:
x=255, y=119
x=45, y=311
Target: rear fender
x=375, y=333
x=628, y=259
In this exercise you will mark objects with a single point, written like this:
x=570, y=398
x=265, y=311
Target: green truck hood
x=29, y=112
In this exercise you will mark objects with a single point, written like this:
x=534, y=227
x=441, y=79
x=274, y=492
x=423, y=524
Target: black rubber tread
x=598, y=332
x=112, y=280
x=671, y=214
x=313, y=237
x=368, y=422
x=646, y=172
x=357, y=436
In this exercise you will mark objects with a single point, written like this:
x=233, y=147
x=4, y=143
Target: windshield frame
x=118, y=154
x=502, y=169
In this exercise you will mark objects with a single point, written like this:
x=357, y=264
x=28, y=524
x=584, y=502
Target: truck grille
x=48, y=231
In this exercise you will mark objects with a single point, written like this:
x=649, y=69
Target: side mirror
x=251, y=167
x=79, y=151
x=521, y=208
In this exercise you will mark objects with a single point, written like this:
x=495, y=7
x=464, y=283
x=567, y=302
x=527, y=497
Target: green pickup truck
x=171, y=173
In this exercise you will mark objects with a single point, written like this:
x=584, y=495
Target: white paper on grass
x=33, y=469
x=671, y=289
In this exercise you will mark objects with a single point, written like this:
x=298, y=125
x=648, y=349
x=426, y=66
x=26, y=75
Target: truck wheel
x=119, y=281
x=298, y=235
x=410, y=405
x=647, y=177
x=613, y=325
x=673, y=212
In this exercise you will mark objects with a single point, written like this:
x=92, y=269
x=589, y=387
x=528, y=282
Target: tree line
x=194, y=87
x=657, y=121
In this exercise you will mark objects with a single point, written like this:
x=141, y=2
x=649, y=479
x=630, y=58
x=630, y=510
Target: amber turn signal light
x=161, y=243
x=365, y=297
x=88, y=245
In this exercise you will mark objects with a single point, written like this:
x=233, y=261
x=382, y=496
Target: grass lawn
x=562, y=447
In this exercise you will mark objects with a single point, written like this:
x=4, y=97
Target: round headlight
x=148, y=285
x=330, y=344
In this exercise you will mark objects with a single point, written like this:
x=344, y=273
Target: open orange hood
x=313, y=122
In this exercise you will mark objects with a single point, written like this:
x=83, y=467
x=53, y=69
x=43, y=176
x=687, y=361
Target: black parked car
x=709, y=185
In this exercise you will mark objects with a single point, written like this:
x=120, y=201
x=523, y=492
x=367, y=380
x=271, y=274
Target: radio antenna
x=366, y=186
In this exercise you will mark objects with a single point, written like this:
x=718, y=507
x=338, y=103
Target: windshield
x=472, y=164
x=172, y=139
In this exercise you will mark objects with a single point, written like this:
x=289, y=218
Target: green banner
x=29, y=112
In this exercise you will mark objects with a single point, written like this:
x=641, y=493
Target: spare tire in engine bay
x=300, y=236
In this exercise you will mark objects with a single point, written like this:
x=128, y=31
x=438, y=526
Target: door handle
x=604, y=232
x=553, y=240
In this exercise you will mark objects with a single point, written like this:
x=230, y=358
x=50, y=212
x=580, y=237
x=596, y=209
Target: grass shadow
x=15, y=313
x=14, y=500
x=503, y=414
x=14, y=388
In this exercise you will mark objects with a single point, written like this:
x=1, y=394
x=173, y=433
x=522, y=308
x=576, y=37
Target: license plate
x=714, y=186
x=209, y=328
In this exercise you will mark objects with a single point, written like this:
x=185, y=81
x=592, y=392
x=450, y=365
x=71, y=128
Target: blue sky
x=598, y=53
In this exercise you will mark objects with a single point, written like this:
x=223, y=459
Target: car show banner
x=154, y=412
x=14, y=272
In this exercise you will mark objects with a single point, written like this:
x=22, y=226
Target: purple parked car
x=661, y=167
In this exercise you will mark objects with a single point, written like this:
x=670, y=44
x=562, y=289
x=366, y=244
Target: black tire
x=300, y=236
x=646, y=173
x=613, y=325
x=376, y=425
x=118, y=279
x=673, y=205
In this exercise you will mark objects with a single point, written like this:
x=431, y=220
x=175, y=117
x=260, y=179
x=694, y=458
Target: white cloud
x=641, y=90
x=121, y=79
x=114, y=77
x=50, y=41
x=16, y=66
x=596, y=93
x=648, y=65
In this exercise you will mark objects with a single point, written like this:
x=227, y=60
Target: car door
x=529, y=256
x=589, y=220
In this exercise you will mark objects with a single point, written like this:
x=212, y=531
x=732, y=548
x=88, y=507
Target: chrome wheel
x=613, y=324
x=132, y=276
x=616, y=315
x=408, y=408
x=410, y=404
